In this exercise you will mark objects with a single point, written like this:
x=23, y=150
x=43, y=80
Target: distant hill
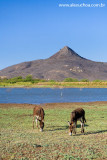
x=65, y=63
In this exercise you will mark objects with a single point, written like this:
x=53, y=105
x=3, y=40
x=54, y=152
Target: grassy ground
x=56, y=84
x=20, y=141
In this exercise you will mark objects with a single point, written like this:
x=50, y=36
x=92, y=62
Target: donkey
x=77, y=114
x=38, y=115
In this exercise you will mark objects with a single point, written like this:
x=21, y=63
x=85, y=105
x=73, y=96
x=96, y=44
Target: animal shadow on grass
x=25, y=115
x=93, y=132
x=55, y=128
x=79, y=126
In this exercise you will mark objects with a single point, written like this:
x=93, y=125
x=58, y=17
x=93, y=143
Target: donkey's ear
x=68, y=123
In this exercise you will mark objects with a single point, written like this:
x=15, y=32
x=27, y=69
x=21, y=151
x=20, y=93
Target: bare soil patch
x=52, y=105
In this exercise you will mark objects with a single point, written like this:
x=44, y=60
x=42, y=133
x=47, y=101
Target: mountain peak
x=63, y=64
x=65, y=48
x=65, y=53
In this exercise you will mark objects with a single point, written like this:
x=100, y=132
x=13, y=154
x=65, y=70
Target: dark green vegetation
x=20, y=141
x=29, y=81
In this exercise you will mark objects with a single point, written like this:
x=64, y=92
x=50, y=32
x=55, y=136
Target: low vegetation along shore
x=20, y=141
x=55, y=85
x=28, y=81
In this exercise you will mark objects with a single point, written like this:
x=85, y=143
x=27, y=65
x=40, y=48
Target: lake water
x=47, y=95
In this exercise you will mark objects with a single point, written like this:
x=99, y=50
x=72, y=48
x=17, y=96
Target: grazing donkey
x=77, y=114
x=38, y=115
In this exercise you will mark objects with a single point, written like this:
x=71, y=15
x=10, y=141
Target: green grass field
x=20, y=141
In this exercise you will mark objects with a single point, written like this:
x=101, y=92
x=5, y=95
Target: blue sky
x=36, y=29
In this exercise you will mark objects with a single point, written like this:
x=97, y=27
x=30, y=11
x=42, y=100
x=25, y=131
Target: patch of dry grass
x=56, y=84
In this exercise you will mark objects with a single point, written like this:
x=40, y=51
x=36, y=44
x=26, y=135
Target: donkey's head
x=41, y=125
x=71, y=127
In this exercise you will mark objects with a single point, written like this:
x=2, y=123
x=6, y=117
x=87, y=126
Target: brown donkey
x=77, y=114
x=38, y=115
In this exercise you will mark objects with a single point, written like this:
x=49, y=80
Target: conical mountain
x=66, y=53
x=63, y=64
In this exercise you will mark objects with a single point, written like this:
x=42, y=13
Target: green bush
x=51, y=80
x=97, y=80
x=70, y=80
x=28, y=78
x=43, y=80
x=14, y=80
x=84, y=80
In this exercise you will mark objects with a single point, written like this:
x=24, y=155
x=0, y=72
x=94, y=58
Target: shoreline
x=55, y=85
x=51, y=105
x=58, y=87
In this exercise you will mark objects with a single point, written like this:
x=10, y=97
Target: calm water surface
x=47, y=95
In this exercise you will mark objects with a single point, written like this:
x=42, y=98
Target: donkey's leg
x=33, y=121
x=36, y=120
x=82, y=127
x=75, y=125
x=84, y=120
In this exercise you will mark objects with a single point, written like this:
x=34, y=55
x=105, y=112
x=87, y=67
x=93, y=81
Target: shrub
x=84, y=80
x=51, y=80
x=97, y=80
x=70, y=80
x=42, y=80
x=14, y=80
x=28, y=78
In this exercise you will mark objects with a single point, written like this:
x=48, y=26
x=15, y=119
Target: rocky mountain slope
x=65, y=63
